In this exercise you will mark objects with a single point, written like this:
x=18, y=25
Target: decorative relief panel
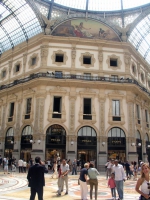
x=127, y=61
x=72, y=113
x=3, y=121
x=18, y=118
x=102, y=99
x=73, y=56
x=44, y=56
x=87, y=54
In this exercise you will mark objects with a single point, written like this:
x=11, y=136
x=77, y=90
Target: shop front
x=55, y=143
x=87, y=145
x=116, y=144
x=9, y=143
x=26, y=143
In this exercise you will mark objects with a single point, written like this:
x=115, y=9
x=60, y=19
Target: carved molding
x=87, y=54
x=65, y=57
x=35, y=55
x=119, y=63
x=44, y=56
x=14, y=68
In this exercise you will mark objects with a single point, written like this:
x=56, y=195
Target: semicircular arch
x=61, y=124
x=92, y=126
x=118, y=126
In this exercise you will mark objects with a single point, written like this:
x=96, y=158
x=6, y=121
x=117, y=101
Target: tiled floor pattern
x=15, y=188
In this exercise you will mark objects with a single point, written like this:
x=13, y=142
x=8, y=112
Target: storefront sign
x=55, y=140
x=116, y=142
x=86, y=140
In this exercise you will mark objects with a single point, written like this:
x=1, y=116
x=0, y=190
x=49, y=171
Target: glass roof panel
x=78, y=4
x=140, y=38
x=18, y=23
x=106, y=5
x=131, y=4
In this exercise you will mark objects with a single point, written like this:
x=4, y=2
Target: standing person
x=31, y=162
x=36, y=178
x=109, y=169
x=1, y=160
x=93, y=181
x=143, y=183
x=20, y=165
x=127, y=168
x=112, y=185
x=135, y=170
x=64, y=176
x=119, y=178
x=24, y=166
x=78, y=165
x=74, y=167
x=5, y=161
x=13, y=168
x=49, y=164
x=83, y=181
x=55, y=169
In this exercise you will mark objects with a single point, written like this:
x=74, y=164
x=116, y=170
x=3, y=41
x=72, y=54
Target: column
x=72, y=137
x=100, y=58
x=131, y=151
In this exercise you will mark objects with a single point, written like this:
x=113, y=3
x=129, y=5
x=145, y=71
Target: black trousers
x=20, y=169
x=39, y=191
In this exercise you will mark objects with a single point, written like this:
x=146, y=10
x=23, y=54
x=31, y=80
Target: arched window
x=27, y=130
x=87, y=131
x=10, y=132
x=116, y=132
x=138, y=135
x=146, y=137
x=9, y=139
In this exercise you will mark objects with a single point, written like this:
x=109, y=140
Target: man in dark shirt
x=127, y=168
x=83, y=180
x=36, y=178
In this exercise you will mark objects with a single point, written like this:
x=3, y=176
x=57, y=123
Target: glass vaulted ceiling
x=18, y=23
x=102, y=5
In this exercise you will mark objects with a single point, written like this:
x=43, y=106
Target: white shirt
x=64, y=168
x=109, y=165
x=119, y=172
x=20, y=163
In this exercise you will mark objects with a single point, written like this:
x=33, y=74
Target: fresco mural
x=85, y=29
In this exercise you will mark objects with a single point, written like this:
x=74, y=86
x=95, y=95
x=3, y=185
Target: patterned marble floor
x=15, y=188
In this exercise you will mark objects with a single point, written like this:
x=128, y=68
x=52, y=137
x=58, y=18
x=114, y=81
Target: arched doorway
x=87, y=145
x=139, y=145
x=26, y=144
x=9, y=143
x=55, y=142
x=117, y=144
x=147, y=145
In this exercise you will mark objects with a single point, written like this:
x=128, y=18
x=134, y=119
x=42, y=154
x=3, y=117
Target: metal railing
x=73, y=76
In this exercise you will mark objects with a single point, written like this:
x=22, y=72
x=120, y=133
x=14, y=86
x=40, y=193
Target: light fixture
x=103, y=143
x=72, y=142
x=148, y=146
x=133, y=144
x=39, y=141
x=139, y=144
x=11, y=141
x=31, y=141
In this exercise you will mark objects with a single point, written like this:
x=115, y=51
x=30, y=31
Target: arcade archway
x=55, y=142
x=116, y=144
x=87, y=145
x=26, y=144
x=9, y=143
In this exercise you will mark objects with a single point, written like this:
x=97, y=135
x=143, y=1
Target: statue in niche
x=49, y=24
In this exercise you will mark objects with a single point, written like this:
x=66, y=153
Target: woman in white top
x=143, y=182
x=55, y=169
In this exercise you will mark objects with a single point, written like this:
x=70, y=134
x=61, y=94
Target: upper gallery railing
x=58, y=75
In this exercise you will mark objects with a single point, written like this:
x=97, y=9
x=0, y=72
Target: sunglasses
x=148, y=184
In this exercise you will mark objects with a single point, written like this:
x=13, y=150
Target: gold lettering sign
x=116, y=142
x=86, y=140
x=55, y=140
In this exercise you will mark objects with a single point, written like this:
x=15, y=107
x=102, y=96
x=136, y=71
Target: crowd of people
x=116, y=173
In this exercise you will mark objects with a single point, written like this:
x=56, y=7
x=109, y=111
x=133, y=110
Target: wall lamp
x=103, y=143
x=12, y=142
x=148, y=146
x=72, y=142
x=39, y=141
x=133, y=144
x=31, y=141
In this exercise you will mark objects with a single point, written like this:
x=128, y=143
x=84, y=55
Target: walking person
x=109, y=169
x=13, y=169
x=127, y=168
x=112, y=185
x=55, y=170
x=119, y=178
x=64, y=176
x=36, y=178
x=83, y=181
x=74, y=167
x=135, y=170
x=5, y=161
x=93, y=181
x=143, y=185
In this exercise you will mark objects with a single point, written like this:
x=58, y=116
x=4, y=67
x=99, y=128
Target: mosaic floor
x=15, y=188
